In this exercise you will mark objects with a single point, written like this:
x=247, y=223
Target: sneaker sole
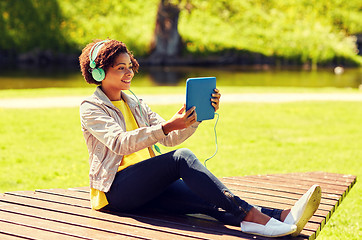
x=310, y=209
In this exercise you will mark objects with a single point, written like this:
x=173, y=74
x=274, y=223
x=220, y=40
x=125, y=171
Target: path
x=74, y=101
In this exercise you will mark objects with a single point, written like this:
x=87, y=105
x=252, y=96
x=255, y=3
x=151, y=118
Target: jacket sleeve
x=113, y=135
x=173, y=138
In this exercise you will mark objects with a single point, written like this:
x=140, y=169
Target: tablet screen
x=198, y=94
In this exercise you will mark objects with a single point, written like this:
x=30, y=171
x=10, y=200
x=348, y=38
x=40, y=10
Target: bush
x=314, y=31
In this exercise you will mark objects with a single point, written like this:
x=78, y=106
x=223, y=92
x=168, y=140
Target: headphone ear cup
x=98, y=74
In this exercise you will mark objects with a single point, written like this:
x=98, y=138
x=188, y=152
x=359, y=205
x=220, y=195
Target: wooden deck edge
x=315, y=235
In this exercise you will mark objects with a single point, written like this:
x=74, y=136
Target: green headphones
x=98, y=74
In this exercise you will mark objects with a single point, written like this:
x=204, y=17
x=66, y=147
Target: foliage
x=31, y=24
x=129, y=21
x=306, y=31
x=66, y=25
x=310, y=31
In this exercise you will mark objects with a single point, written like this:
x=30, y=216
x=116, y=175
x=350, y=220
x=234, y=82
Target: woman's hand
x=215, y=100
x=180, y=120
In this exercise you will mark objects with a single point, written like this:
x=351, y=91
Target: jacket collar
x=132, y=103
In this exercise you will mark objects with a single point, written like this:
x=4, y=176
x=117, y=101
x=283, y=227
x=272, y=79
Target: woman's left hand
x=215, y=100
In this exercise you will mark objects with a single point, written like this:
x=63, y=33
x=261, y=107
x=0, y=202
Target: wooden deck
x=66, y=213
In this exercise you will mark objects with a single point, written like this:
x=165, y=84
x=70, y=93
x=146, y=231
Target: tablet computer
x=198, y=94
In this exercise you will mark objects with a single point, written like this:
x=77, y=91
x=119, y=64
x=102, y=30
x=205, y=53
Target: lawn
x=44, y=148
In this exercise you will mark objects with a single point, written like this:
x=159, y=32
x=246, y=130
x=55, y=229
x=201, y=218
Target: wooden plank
x=282, y=198
x=181, y=220
x=50, y=213
x=287, y=197
x=8, y=236
x=15, y=230
x=282, y=189
x=325, y=200
x=324, y=175
x=314, y=223
x=309, y=229
x=331, y=178
x=300, y=184
x=340, y=185
x=126, y=224
x=271, y=195
x=268, y=190
x=67, y=222
x=4, y=236
x=327, y=188
x=284, y=186
x=65, y=229
x=337, y=179
x=85, y=193
x=313, y=226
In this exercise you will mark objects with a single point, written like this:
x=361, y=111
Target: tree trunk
x=167, y=41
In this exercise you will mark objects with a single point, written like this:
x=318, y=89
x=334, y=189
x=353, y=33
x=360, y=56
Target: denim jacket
x=105, y=134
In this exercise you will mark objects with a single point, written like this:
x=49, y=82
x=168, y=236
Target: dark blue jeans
x=156, y=184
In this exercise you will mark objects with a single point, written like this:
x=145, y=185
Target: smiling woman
x=126, y=175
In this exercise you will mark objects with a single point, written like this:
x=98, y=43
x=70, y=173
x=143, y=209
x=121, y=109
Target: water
x=176, y=76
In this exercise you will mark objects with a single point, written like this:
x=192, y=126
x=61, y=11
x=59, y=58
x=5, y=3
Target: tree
x=167, y=41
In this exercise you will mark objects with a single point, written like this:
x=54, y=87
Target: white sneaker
x=304, y=208
x=273, y=228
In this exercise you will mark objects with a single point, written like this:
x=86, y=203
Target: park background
x=314, y=44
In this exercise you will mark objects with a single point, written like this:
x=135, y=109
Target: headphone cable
x=216, y=145
x=139, y=105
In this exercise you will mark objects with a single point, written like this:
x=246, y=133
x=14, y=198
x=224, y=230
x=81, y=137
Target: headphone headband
x=94, y=51
x=97, y=73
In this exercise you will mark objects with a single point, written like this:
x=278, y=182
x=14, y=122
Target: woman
x=126, y=175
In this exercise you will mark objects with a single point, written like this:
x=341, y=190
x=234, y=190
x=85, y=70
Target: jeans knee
x=185, y=154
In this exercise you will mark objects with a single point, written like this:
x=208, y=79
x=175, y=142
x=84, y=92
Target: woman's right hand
x=182, y=119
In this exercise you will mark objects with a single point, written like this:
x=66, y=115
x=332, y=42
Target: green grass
x=44, y=148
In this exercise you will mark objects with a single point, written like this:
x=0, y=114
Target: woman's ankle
x=255, y=216
x=284, y=214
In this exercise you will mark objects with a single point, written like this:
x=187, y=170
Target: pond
x=176, y=76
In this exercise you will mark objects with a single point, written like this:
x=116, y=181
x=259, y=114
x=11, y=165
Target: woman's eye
x=123, y=68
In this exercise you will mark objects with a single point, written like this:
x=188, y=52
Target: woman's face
x=120, y=74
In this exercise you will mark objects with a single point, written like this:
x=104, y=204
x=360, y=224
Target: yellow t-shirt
x=98, y=198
